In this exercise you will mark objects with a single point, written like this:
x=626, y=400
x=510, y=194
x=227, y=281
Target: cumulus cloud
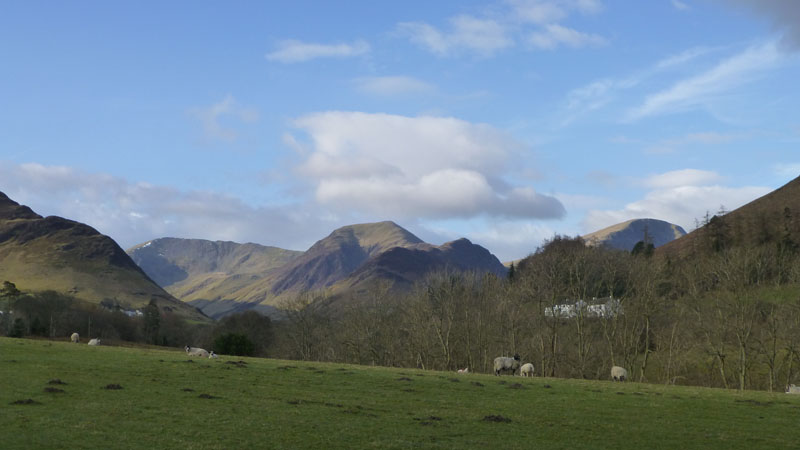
x=534, y=22
x=132, y=213
x=392, y=85
x=784, y=15
x=679, y=197
x=701, y=89
x=415, y=167
x=210, y=117
x=294, y=51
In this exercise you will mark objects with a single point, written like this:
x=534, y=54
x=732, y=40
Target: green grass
x=266, y=403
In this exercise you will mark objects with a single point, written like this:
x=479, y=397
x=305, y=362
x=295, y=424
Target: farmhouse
x=598, y=307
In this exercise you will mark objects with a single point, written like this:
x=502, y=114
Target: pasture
x=63, y=395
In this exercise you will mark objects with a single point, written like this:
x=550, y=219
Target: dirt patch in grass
x=27, y=401
x=52, y=390
x=187, y=390
x=113, y=387
x=755, y=402
x=477, y=383
x=496, y=418
x=207, y=396
x=516, y=386
x=241, y=364
x=55, y=381
x=404, y=379
x=455, y=380
x=287, y=367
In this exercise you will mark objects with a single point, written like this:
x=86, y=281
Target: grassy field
x=165, y=401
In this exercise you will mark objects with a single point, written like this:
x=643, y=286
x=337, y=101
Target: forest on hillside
x=720, y=315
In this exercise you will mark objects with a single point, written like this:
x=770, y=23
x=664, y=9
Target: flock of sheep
x=501, y=364
x=508, y=364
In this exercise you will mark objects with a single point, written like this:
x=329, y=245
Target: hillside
x=236, y=402
x=221, y=278
x=771, y=219
x=52, y=253
x=625, y=235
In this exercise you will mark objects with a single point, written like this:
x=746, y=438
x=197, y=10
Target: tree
x=152, y=322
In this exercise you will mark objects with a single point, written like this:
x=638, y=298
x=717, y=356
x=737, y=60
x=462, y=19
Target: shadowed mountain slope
x=625, y=235
x=771, y=219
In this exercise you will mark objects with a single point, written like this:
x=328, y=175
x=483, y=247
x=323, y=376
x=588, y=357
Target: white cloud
x=704, y=138
x=679, y=197
x=704, y=88
x=678, y=178
x=227, y=107
x=393, y=85
x=680, y=6
x=511, y=240
x=600, y=93
x=535, y=22
x=482, y=36
x=415, y=167
x=132, y=213
x=553, y=35
x=294, y=51
x=787, y=170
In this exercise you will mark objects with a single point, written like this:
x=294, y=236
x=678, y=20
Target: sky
x=505, y=122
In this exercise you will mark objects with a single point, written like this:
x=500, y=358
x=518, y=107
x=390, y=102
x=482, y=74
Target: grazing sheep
x=212, y=355
x=94, y=341
x=792, y=389
x=504, y=363
x=194, y=351
x=526, y=370
x=465, y=370
x=618, y=374
x=75, y=338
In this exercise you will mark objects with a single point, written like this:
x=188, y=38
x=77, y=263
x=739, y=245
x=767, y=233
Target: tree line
x=727, y=316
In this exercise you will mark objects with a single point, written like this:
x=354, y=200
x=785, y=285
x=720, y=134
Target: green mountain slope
x=52, y=253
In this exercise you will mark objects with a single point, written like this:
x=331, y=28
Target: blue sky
x=505, y=121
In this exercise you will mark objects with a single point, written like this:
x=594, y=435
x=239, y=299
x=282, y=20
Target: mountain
x=225, y=277
x=215, y=276
x=52, y=253
x=403, y=266
x=625, y=235
x=768, y=220
x=337, y=256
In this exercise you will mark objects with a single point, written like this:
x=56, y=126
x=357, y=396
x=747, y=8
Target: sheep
x=94, y=341
x=194, y=351
x=526, y=370
x=618, y=374
x=792, y=389
x=465, y=370
x=504, y=363
x=75, y=338
x=212, y=355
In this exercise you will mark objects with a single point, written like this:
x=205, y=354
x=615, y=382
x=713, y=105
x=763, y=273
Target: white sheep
x=792, y=389
x=504, y=363
x=464, y=370
x=526, y=370
x=75, y=338
x=194, y=351
x=618, y=374
x=212, y=355
x=94, y=341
